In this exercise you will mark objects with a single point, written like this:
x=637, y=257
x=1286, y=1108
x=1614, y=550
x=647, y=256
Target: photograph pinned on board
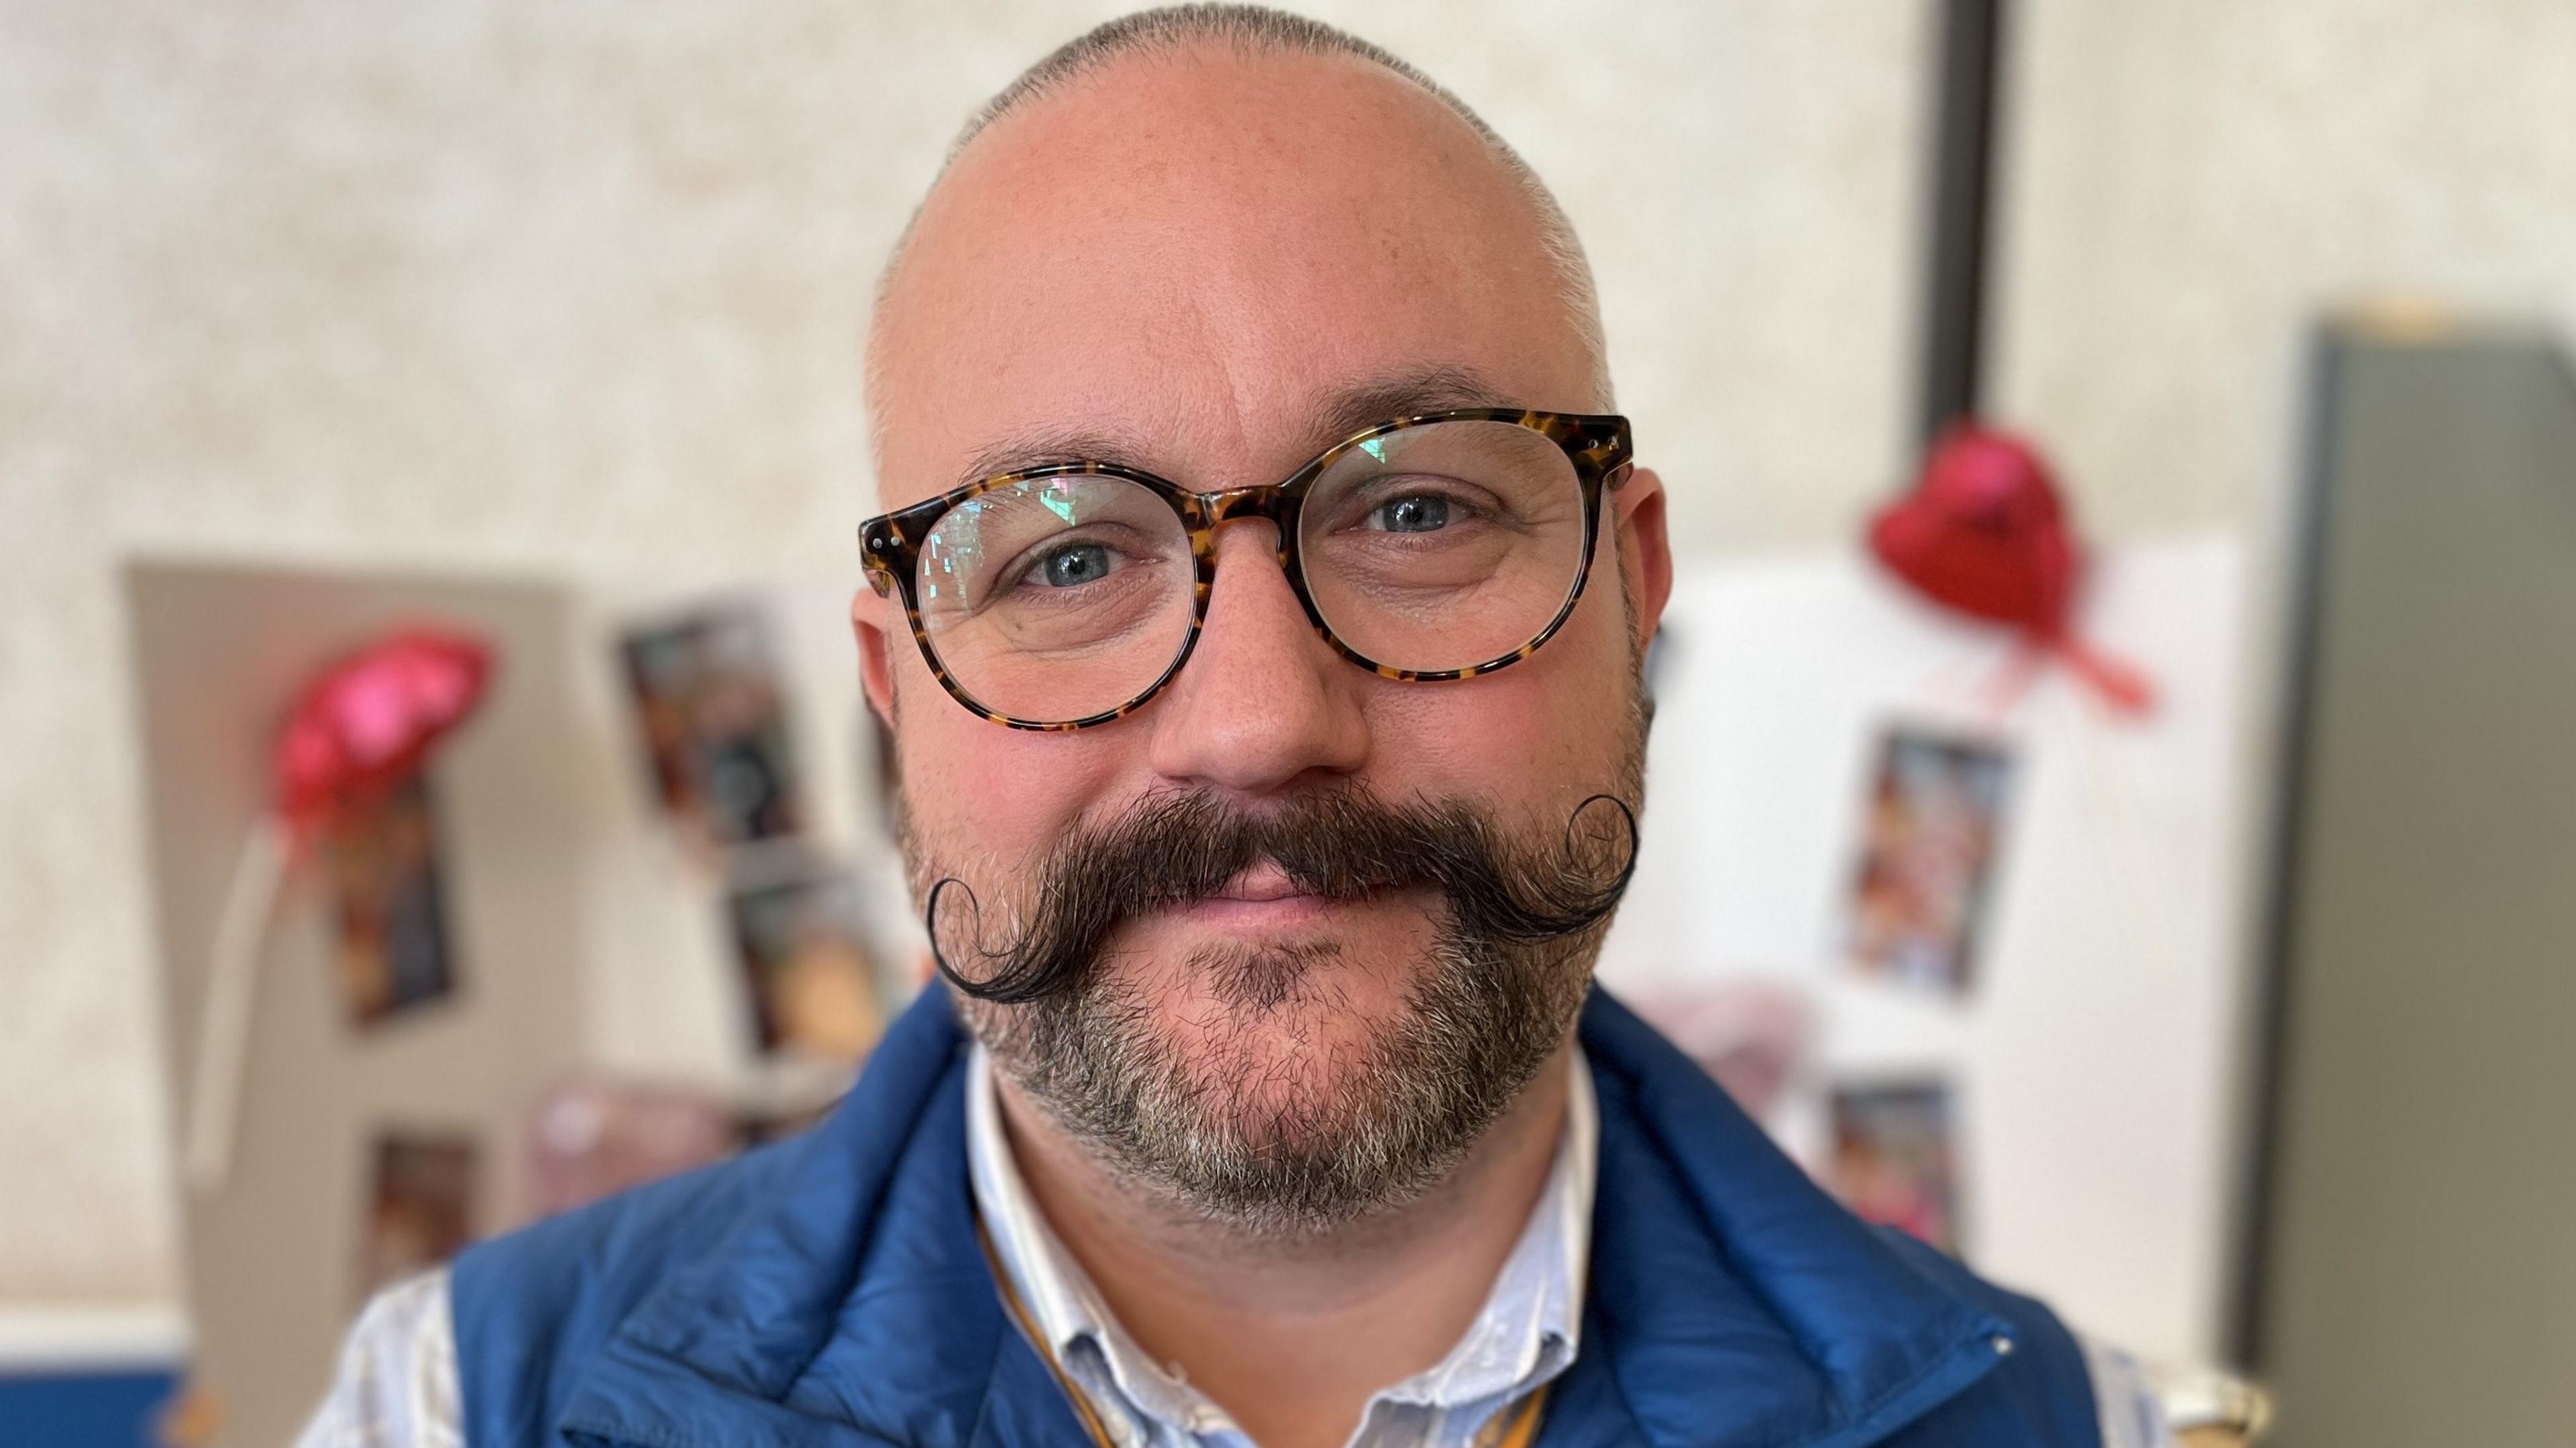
x=710, y=702
x=420, y=1204
x=391, y=945
x=1931, y=836
x=1895, y=1159
x=799, y=936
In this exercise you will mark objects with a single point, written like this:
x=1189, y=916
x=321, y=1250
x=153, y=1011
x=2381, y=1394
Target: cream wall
x=2190, y=181
x=576, y=290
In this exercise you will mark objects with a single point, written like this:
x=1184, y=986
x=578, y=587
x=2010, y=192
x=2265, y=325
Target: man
x=1258, y=614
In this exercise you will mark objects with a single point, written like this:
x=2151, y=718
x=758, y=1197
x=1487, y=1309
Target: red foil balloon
x=1984, y=533
x=363, y=725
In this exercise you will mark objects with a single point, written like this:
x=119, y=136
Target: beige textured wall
x=576, y=289
x=2191, y=181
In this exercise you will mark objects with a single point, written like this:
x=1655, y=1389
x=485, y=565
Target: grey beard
x=1206, y=1128
x=1204, y=1124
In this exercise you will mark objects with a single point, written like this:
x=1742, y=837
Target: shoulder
x=2050, y=1362
x=777, y=1234
x=535, y=1303
x=623, y=1237
x=2125, y=1397
x=2046, y=1373
x=2037, y=1330
x=395, y=1385
x=1701, y=1213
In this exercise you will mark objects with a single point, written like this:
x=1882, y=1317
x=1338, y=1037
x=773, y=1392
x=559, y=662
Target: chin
x=1287, y=1081
x=1276, y=1032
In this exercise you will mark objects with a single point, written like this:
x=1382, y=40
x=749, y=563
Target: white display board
x=587, y=941
x=665, y=1000
x=275, y=1248
x=2094, y=1058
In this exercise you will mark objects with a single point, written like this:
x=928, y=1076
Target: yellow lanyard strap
x=1011, y=1299
x=1517, y=1428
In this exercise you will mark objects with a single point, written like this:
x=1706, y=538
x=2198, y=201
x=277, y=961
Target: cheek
x=1541, y=734
x=981, y=796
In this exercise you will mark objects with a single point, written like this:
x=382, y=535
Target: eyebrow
x=1440, y=387
x=1437, y=388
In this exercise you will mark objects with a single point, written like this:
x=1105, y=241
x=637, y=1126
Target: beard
x=1241, y=1115
x=1236, y=1113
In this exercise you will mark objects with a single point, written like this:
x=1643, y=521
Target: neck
x=1292, y=1335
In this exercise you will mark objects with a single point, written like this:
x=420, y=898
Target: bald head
x=1209, y=245
x=1213, y=183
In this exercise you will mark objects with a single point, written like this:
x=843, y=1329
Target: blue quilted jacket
x=830, y=1292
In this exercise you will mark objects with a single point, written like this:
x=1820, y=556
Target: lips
x=1260, y=896
x=1262, y=881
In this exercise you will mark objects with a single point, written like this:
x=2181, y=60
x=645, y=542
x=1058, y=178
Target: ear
x=1645, y=550
x=871, y=617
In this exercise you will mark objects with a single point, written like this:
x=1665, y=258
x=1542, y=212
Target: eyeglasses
x=1441, y=546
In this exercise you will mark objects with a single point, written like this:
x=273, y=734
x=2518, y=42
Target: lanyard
x=1517, y=1428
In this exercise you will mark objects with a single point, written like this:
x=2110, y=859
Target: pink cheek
x=1476, y=737
x=1559, y=707
x=978, y=789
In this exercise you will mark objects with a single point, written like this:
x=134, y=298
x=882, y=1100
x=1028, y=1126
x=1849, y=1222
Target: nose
x=1263, y=705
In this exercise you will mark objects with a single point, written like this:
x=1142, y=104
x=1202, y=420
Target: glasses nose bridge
x=1274, y=503
x=1270, y=500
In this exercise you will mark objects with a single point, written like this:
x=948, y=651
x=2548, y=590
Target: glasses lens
x=1444, y=545
x=1055, y=599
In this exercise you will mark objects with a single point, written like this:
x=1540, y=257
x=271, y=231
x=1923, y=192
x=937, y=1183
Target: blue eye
x=1074, y=565
x=1412, y=514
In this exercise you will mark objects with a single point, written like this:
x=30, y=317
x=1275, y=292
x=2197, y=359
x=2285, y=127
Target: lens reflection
x=1443, y=546
x=1054, y=599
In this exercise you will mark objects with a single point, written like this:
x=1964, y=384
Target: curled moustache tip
x=1627, y=825
x=930, y=927
x=1608, y=893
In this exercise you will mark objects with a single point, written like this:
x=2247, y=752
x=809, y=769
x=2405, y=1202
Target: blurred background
x=2196, y=955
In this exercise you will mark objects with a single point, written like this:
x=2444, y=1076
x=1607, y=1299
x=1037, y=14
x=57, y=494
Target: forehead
x=1193, y=258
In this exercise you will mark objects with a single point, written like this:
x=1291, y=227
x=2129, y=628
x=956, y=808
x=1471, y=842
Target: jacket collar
x=851, y=1305
x=1730, y=1300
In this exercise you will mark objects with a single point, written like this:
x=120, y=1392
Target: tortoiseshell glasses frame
x=1596, y=445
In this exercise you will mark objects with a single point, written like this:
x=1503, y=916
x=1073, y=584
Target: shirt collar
x=1526, y=1333
x=1532, y=1320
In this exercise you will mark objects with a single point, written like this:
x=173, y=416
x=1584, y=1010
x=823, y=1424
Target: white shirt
x=1526, y=1333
